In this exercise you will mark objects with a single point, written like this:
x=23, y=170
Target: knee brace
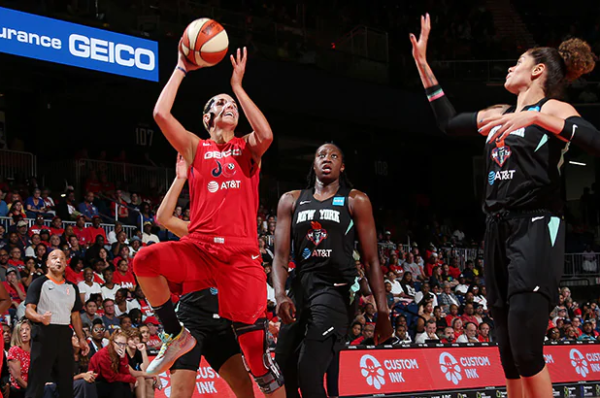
x=257, y=358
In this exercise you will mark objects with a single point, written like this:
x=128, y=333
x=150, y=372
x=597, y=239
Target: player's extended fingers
x=413, y=40
x=239, y=56
x=245, y=56
x=232, y=60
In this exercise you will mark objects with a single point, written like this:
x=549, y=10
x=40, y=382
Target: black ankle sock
x=166, y=314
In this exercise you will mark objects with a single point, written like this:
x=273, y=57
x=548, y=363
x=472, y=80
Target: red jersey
x=224, y=190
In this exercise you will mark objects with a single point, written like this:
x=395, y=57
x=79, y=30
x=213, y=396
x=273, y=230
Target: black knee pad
x=528, y=321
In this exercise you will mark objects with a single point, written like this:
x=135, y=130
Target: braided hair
x=311, y=178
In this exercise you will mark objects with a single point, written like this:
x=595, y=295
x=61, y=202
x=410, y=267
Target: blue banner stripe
x=66, y=43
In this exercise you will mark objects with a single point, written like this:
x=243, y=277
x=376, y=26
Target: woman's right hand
x=419, y=46
x=183, y=62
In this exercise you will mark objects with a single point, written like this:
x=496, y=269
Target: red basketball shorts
x=232, y=265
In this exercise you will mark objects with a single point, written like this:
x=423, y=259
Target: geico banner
x=71, y=44
x=208, y=384
x=368, y=372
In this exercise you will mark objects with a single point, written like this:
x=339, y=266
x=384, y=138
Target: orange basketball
x=204, y=42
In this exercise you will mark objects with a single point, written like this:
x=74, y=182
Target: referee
x=52, y=304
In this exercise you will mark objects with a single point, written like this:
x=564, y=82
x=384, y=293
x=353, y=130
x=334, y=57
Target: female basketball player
x=220, y=250
x=524, y=243
x=214, y=336
x=322, y=222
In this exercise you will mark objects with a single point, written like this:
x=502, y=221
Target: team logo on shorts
x=501, y=154
x=317, y=234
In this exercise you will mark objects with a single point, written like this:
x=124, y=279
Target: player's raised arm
x=164, y=215
x=262, y=136
x=447, y=119
x=182, y=140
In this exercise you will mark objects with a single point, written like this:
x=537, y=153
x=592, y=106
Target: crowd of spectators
x=435, y=293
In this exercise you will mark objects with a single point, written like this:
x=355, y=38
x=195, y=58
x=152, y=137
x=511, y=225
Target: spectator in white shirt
x=396, y=287
x=462, y=286
x=429, y=333
x=87, y=286
x=148, y=236
x=470, y=334
x=109, y=289
x=401, y=336
x=112, y=235
x=122, y=304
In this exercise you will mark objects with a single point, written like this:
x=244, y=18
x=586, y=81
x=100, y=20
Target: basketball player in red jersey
x=220, y=250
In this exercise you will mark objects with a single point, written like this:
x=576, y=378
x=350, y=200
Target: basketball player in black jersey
x=525, y=231
x=322, y=222
x=198, y=311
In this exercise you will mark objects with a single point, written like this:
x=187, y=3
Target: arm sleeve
x=447, y=119
x=583, y=134
x=34, y=291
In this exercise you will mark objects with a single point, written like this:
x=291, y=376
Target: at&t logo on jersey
x=214, y=186
x=502, y=175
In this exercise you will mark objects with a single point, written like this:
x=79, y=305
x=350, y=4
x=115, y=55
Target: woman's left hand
x=239, y=67
x=508, y=123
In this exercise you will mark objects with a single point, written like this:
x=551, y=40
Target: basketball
x=204, y=42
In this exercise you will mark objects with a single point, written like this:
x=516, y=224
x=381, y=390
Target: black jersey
x=523, y=171
x=323, y=236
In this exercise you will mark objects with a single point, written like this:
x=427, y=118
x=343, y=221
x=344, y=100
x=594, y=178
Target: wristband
x=181, y=69
x=434, y=92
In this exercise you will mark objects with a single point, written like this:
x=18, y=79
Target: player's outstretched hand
x=383, y=328
x=419, y=46
x=508, y=123
x=286, y=310
x=239, y=67
x=183, y=62
x=181, y=167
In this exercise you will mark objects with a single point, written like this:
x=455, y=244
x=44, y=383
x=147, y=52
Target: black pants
x=306, y=348
x=51, y=354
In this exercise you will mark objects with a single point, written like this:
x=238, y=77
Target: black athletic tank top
x=523, y=172
x=323, y=236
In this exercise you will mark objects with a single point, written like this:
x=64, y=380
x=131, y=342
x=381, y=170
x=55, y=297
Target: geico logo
x=31, y=38
x=224, y=154
x=475, y=361
x=398, y=364
x=107, y=51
